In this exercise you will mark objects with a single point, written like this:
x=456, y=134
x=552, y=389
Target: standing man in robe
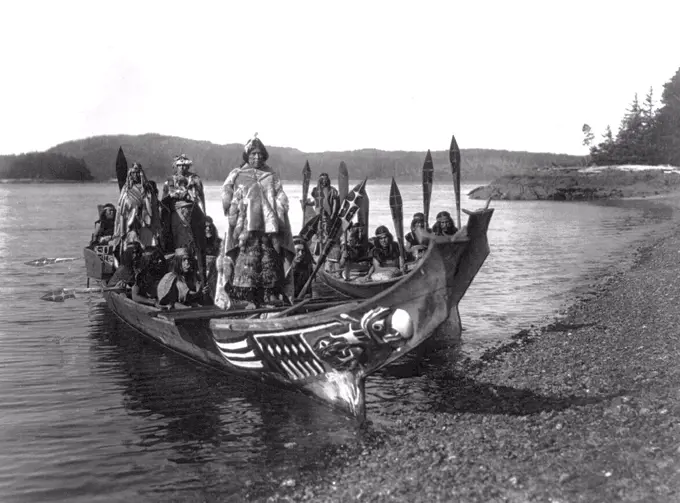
x=184, y=212
x=259, y=242
x=137, y=217
x=326, y=205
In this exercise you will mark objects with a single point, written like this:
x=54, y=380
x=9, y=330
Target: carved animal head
x=388, y=326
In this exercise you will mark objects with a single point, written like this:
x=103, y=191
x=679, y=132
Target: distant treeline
x=213, y=162
x=647, y=135
x=44, y=166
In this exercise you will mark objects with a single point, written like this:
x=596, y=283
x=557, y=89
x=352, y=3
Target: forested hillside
x=44, y=166
x=213, y=162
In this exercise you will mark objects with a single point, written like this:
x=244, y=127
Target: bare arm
x=336, y=203
x=141, y=299
x=166, y=190
x=200, y=194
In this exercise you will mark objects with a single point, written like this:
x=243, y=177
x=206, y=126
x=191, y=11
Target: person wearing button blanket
x=184, y=212
x=259, y=242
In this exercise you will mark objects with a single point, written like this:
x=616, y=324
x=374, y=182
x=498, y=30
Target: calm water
x=88, y=412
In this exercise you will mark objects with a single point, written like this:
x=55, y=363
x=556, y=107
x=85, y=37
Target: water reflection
x=196, y=417
x=406, y=384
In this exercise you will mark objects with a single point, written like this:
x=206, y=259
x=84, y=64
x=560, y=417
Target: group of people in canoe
x=169, y=253
x=375, y=258
x=163, y=245
x=381, y=254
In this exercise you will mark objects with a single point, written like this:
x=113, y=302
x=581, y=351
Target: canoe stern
x=99, y=262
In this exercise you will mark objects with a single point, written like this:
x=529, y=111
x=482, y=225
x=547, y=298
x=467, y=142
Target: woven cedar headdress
x=250, y=146
x=182, y=160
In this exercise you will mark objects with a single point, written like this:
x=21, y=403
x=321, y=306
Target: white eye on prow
x=379, y=326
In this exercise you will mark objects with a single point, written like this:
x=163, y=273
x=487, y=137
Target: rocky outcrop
x=580, y=185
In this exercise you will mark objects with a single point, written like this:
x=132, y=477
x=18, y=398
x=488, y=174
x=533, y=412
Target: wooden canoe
x=355, y=288
x=325, y=352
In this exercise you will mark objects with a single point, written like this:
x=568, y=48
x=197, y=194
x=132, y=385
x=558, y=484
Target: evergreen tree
x=588, y=135
x=668, y=122
x=604, y=152
x=649, y=129
x=629, y=140
x=588, y=138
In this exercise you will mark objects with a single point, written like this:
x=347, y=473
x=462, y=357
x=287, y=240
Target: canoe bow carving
x=344, y=344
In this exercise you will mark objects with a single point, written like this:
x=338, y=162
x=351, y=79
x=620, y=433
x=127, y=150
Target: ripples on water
x=89, y=412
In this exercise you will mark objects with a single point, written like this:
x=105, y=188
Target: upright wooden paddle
x=343, y=181
x=306, y=177
x=121, y=168
x=362, y=216
x=341, y=222
x=428, y=172
x=343, y=189
x=454, y=158
x=397, y=209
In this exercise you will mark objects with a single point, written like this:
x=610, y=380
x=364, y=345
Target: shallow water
x=89, y=412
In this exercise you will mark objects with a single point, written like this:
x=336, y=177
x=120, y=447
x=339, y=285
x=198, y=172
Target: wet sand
x=584, y=409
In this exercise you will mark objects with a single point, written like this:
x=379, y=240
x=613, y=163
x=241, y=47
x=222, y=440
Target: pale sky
x=319, y=75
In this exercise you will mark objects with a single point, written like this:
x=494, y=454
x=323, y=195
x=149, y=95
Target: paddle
x=342, y=221
x=309, y=228
x=61, y=294
x=454, y=158
x=428, y=172
x=291, y=309
x=306, y=177
x=121, y=168
x=343, y=181
x=40, y=262
x=362, y=216
x=397, y=209
x=343, y=189
x=197, y=313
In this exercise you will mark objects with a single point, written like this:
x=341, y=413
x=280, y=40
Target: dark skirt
x=258, y=270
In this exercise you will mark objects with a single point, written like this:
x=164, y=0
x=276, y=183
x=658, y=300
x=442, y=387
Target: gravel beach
x=586, y=409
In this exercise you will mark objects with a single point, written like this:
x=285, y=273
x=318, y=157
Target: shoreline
x=582, y=184
x=590, y=283
x=580, y=409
